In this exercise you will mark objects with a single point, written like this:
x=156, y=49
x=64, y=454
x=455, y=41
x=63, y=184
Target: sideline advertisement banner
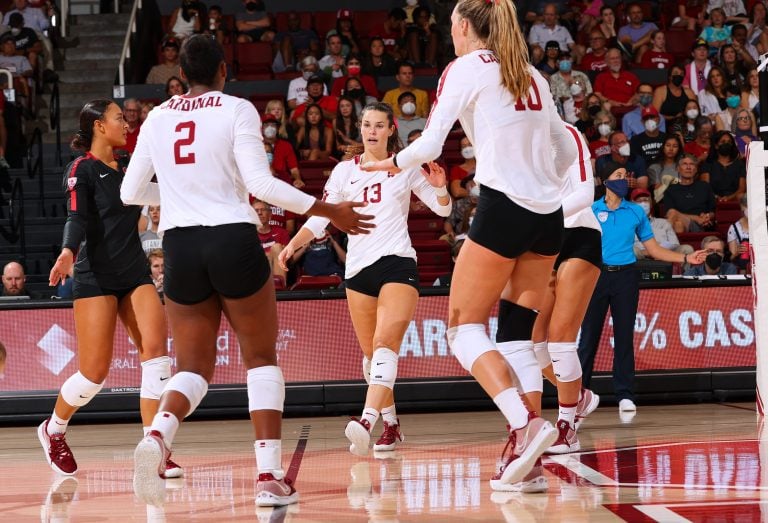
x=674, y=329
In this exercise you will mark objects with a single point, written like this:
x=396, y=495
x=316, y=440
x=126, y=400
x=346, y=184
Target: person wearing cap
x=648, y=143
x=297, y=88
x=632, y=122
x=546, y=31
x=621, y=154
x=549, y=64
x=284, y=162
x=294, y=44
x=404, y=79
x=328, y=104
x=345, y=29
x=27, y=42
x=697, y=71
x=662, y=229
x=618, y=285
x=161, y=73
x=615, y=85
x=20, y=68
x=254, y=24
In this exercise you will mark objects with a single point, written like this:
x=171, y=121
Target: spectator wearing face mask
x=685, y=125
x=354, y=70
x=621, y=154
x=566, y=82
x=586, y=121
x=605, y=123
x=632, y=122
x=671, y=99
x=408, y=120
x=284, y=162
x=724, y=171
x=702, y=141
x=724, y=120
x=458, y=222
x=404, y=79
x=713, y=263
x=297, y=88
x=648, y=143
x=662, y=230
x=460, y=172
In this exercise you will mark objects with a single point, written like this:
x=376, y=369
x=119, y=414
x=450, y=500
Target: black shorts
x=388, y=269
x=584, y=243
x=510, y=230
x=225, y=259
x=86, y=285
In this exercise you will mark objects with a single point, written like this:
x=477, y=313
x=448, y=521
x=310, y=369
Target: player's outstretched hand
x=383, y=165
x=62, y=269
x=435, y=176
x=348, y=220
x=698, y=257
x=285, y=255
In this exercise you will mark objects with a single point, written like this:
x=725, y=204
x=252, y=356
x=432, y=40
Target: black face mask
x=725, y=149
x=251, y=6
x=355, y=93
x=593, y=110
x=677, y=80
x=714, y=261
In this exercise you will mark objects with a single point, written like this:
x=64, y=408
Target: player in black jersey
x=102, y=252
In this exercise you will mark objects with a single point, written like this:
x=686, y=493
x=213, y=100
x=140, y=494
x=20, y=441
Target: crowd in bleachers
x=668, y=89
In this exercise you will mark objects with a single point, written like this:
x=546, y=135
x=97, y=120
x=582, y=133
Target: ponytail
x=92, y=111
x=495, y=22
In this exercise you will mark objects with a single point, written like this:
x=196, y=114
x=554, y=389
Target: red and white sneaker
x=359, y=435
x=271, y=492
x=525, y=446
x=586, y=406
x=57, y=452
x=149, y=465
x=533, y=482
x=567, y=439
x=389, y=437
x=172, y=469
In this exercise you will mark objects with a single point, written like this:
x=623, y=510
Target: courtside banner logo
x=674, y=329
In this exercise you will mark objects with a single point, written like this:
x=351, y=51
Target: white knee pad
x=79, y=390
x=367, y=370
x=542, y=354
x=155, y=374
x=565, y=361
x=522, y=359
x=468, y=342
x=266, y=388
x=192, y=386
x=384, y=367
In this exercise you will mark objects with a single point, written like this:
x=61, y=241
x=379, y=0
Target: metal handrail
x=126, y=51
x=55, y=117
x=16, y=220
x=35, y=168
x=64, y=17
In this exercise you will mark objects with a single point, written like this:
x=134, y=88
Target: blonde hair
x=282, y=131
x=495, y=22
x=155, y=253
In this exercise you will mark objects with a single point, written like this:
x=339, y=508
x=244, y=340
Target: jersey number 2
x=189, y=157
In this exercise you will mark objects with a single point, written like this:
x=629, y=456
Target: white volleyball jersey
x=208, y=154
x=578, y=191
x=389, y=198
x=513, y=139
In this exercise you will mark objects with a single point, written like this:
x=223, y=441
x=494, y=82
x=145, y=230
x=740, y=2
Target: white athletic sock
x=268, y=457
x=512, y=407
x=567, y=412
x=57, y=425
x=166, y=424
x=389, y=415
x=371, y=415
x=146, y=430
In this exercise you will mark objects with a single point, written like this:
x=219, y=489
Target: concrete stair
x=88, y=70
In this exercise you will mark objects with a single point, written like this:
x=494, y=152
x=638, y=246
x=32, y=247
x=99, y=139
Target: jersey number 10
x=533, y=101
x=188, y=129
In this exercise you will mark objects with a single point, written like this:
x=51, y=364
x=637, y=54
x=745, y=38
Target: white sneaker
x=149, y=469
x=627, y=405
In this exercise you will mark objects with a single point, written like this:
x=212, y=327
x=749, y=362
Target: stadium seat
x=305, y=282
x=324, y=21
x=425, y=226
x=679, y=43
x=254, y=61
x=281, y=20
x=694, y=238
x=367, y=21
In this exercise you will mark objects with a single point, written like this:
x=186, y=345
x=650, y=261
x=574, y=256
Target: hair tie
x=491, y=2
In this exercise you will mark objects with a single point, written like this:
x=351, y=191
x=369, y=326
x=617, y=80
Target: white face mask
x=412, y=3
x=624, y=150
x=651, y=125
x=646, y=207
x=576, y=90
x=468, y=153
x=604, y=129
x=692, y=113
x=690, y=127
x=307, y=74
x=408, y=108
x=270, y=131
x=475, y=193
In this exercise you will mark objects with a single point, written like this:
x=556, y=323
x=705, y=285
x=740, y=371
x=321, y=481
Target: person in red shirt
x=273, y=238
x=615, y=86
x=595, y=59
x=132, y=116
x=284, y=162
x=459, y=172
x=700, y=145
x=328, y=104
x=657, y=56
x=392, y=31
x=354, y=68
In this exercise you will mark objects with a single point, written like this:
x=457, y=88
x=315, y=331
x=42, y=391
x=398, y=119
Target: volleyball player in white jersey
x=382, y=282
x=206, y=149
x=506, y=109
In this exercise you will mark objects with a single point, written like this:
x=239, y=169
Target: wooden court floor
x=703, y=463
